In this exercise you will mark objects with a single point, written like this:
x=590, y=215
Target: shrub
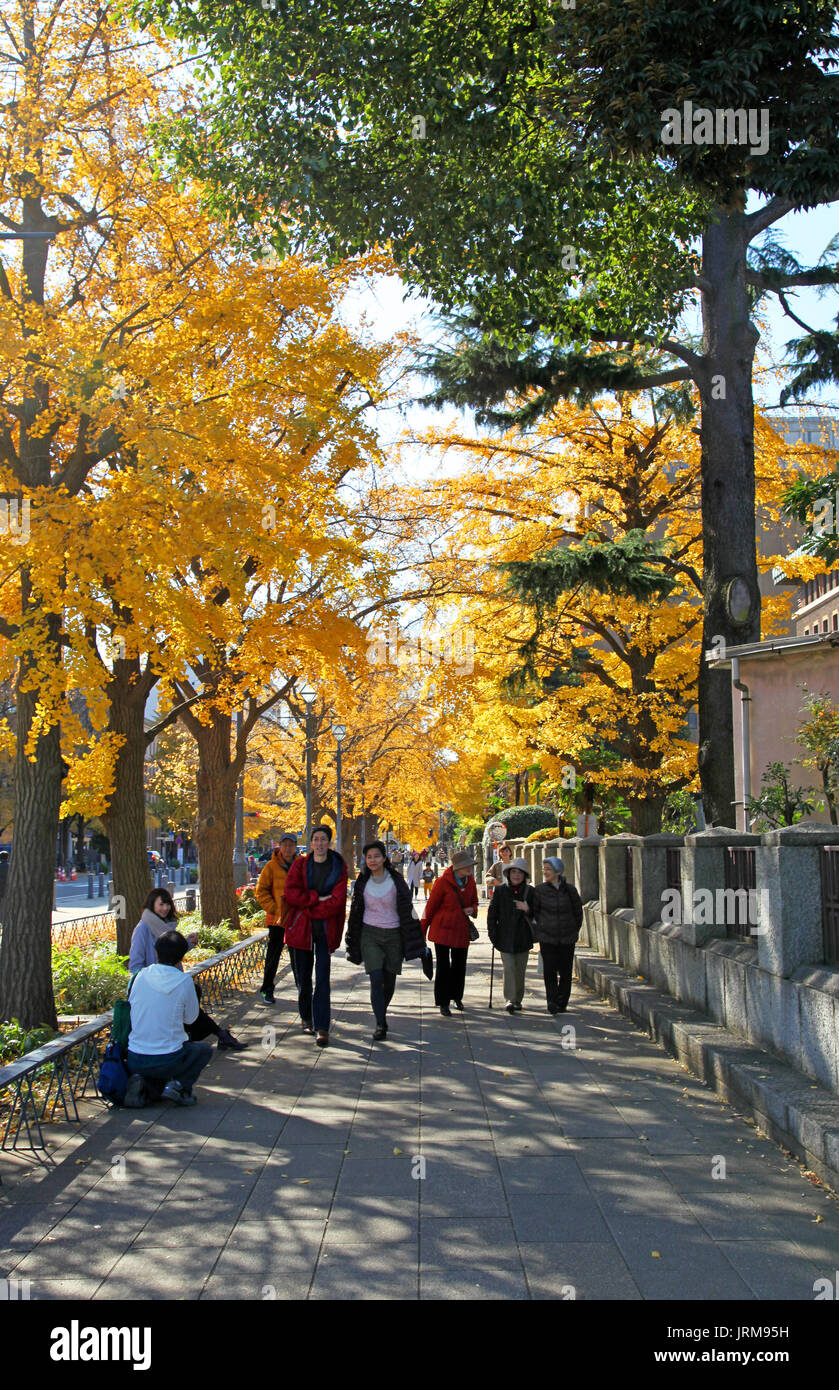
x=214, y=939
x=549, y=833
x=88, y=981
x=521, y=821
x=15, y=1039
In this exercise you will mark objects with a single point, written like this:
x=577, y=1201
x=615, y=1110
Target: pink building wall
x=775, y=679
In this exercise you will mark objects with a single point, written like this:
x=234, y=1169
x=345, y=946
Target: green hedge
x=522, y=821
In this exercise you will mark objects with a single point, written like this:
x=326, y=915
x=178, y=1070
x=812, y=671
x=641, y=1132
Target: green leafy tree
x=819, y=734
x=779, y=803
x=521, y=160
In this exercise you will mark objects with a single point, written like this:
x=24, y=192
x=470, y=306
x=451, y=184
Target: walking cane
x=491, y=975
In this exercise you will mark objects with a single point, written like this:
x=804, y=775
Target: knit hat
x=556, y=864
x=462, y=859
x=516, y=864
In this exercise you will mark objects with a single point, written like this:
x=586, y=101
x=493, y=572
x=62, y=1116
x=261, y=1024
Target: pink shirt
x=380, y=903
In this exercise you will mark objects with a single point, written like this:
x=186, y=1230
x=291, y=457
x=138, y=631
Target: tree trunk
x=125, y=818
x=26, y=991
x=728, y=496
x=215, y=829
x=645, y=814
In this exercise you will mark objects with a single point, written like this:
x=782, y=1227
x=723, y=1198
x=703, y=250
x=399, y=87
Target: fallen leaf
x=397, y=1151
x=655, y=1254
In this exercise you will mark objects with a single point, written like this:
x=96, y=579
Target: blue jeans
x=185, y=1065
x=314, y=1007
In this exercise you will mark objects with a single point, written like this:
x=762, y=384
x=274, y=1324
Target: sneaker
x=306, y=1027
x=267, y=996
x=458, y=1004
x=174, y=1091
x=135, y=1093
x=518, y=1008
x=226, y=1041
x=511, y=1008
x=322, y=1039
x=445, y=1011
x=381, y=1032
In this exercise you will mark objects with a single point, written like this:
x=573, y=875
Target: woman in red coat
x=452, y=903
x=316, y=891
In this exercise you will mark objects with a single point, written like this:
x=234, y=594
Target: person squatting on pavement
x=316, y=891
x=270, y=894
x=383, y=929
x=159, y=917
x=508, y=925
x=557, y=918
x=446, y=921
x=164, y=1006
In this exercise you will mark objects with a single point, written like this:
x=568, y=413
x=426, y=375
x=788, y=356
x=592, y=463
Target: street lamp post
x=339, y=731
x=363, y=823
x=308, y=694
x=240, y=868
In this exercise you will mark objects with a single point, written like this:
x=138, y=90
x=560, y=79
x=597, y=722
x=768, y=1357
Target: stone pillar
x=703, y=881
x=650, y=875
x=588, y=881
x=530, y=860
x=566, y=850
x=789, y=897
x=613, y=894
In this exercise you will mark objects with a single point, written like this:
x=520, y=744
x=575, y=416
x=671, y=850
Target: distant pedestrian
x=494, y=876
x=508, y=924
x=446, y=919
x=429, y=874
x=413, y=873
x=316, y=890
x=558, y=916
x=270, y=894
x=383, y=929
x=396, y=859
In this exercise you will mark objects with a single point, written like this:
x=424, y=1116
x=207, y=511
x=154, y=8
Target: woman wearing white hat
x=558, y=916
x=508, y=924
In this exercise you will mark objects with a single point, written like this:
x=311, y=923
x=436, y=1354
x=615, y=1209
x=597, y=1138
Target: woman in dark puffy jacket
x=558, y=916
x=508, y=923
x=382, y=930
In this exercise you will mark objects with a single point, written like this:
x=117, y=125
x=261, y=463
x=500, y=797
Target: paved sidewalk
x=480, y=1156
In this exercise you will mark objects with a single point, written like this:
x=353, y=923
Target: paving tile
x=463, y=1282
x=359, y=1272
x=565, y=1270
x=543, y=1173
x=449, y=1241
x=556, y=1217
x=774, y=1269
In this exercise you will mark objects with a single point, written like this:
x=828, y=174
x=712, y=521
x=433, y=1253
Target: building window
x=806, y=632
x=825, y=625
x=836, y=622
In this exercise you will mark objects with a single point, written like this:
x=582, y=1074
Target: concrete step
x=786, y=1106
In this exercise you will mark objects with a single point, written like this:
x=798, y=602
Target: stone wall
x=768, y=981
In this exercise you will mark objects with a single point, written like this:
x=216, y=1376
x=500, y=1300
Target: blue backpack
x=113, y=1078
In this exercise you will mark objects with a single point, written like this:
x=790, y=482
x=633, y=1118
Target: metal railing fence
x=49, y=1082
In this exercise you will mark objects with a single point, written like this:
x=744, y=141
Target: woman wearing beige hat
x=452, y=903
x=509, y=925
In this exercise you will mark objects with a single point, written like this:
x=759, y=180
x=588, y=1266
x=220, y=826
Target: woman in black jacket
x=508, y=924
x=557, y=920
x=383, y=929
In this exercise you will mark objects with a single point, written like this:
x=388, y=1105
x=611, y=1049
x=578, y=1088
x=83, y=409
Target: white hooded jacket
x=162, y=1000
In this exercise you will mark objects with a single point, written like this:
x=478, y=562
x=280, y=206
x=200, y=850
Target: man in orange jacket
x=270, y=894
